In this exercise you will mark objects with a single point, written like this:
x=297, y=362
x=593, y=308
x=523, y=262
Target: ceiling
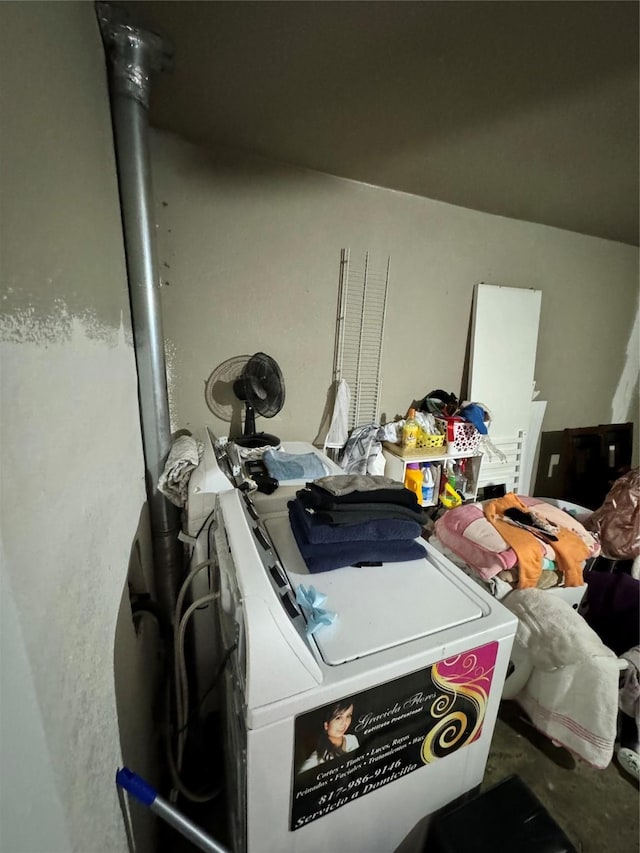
x=522, y=109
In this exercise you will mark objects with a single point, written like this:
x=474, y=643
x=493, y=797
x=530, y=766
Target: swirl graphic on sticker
x=463, y=684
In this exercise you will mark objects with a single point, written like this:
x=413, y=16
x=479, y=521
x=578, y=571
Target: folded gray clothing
x=343, y=484
x=315, y=496
x=359, y=513
x=324, y=558
x=293, y=466
x=317, y=532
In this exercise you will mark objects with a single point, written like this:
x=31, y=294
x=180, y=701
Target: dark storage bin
x=506, y=818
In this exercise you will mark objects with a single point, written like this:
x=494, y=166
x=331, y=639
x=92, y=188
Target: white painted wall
x=250, y=250
x=72, y=485
x=31, y=813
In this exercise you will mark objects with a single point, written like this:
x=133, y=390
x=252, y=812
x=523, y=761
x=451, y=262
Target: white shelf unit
x=396, y=460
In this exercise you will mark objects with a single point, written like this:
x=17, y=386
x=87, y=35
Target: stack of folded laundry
x=356, y=520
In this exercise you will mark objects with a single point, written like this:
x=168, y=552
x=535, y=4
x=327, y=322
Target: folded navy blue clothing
x=324, y=558
x=359, y=513
x=316, y=496
x=375, y=529
x=409, y=551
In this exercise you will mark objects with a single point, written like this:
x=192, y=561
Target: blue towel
x=376, y=529
x=293, y=466
x=325, y=558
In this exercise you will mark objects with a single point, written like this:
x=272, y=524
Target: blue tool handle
x=136, y=786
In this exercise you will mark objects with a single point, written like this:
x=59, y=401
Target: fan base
x=258, y=439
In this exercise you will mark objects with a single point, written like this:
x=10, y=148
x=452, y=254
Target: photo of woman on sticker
x=333, y=741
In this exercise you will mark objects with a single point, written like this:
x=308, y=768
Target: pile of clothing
x=515, y=542
x=356, y=520
x=524, y=530
x=446, y=405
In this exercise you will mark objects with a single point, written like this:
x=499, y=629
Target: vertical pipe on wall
x=132, y=54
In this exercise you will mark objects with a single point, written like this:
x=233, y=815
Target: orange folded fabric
x=570, y=550
x=528, y=548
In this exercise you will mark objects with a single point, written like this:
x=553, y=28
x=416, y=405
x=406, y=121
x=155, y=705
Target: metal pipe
x=139, y=788
x=132, y=55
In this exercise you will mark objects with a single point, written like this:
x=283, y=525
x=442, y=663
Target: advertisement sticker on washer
x=349, y=748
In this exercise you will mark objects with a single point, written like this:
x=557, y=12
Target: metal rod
x=133, y=54
x=146, y=794
x=203, y=841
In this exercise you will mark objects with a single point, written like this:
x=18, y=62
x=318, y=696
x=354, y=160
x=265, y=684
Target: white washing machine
x=411, y=671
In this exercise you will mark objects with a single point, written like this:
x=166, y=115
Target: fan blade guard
x=264, y=384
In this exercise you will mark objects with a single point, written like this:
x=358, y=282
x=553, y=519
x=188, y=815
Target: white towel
x=339, y=427
x=572, y=693
x=185, y=455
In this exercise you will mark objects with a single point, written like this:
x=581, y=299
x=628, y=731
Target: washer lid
x=378, y=607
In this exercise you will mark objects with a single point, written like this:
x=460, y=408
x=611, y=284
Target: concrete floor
x=597, y=809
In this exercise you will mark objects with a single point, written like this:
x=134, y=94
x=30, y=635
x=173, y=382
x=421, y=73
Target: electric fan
x=255, y=380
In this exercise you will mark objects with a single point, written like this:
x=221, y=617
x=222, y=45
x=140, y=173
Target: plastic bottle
x=449, y=472
x=428, y=484
x=413, y=479
x=410, y=431
x=449, y=497
x=460, y=474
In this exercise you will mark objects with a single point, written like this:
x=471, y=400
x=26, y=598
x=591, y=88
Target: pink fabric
x=466, y=531
x=468, y=534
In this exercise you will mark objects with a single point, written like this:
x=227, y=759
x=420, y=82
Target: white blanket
x=572, y=693
x=185, y=454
